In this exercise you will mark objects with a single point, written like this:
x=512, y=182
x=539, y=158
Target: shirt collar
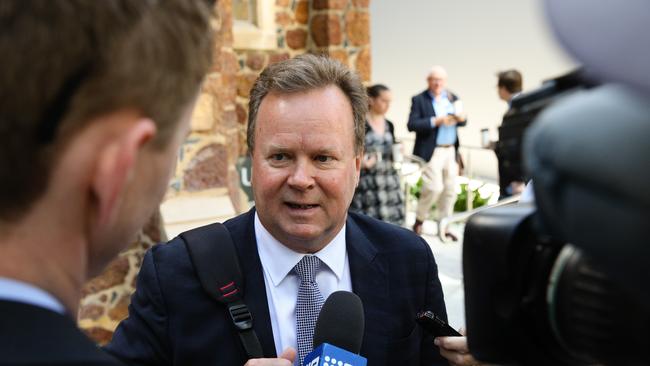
x=18, y=291
x=443, y=95
x=512, y=97
x=279, y=260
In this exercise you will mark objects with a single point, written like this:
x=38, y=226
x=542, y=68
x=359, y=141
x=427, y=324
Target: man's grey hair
x=437, y=69
x=304, y=73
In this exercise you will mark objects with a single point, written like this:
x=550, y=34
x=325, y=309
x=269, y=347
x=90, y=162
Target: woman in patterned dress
x=379, y=194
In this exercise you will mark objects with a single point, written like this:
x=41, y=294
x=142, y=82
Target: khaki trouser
x=439, y=184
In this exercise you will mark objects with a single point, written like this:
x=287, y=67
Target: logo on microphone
x=329, y=355
x=314, y=362
x=333, y=362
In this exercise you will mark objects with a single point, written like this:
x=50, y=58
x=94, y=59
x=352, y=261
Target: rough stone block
x=361, y=3
x=277, y=57
x=207, y=169
x=91, y=311
x=230, y=63
x=297, y=39
x=363, y=64
x=121, y=309
x=242, y=114
x=302, y=11
x=101, y=336
x=358, y=27
x=340, y=55
x=283, y=19
x=330, y=4
x=326, y=30
x=256, y=61
x=203, y=116
x=245, y=83
x=154, y=230
x=229, y=118
x=112, y=276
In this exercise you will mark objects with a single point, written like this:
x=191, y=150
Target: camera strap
x=215, y=261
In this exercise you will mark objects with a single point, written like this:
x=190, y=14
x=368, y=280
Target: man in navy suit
x=305, y=135
x=95, y=99
x=435, y=116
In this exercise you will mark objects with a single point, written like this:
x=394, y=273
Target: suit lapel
x=243, y=236
x=428, y=104
x=368, y=274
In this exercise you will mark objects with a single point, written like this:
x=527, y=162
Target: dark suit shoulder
x=423, y=96
x=31, y=335
x=385, y=236
x=176, y=249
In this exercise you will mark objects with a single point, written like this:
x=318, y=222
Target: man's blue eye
x=278, y=156
x=323, y=158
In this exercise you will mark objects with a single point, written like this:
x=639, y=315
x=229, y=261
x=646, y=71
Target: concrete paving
x=448, y=257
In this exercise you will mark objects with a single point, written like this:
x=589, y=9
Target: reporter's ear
x=116, y=163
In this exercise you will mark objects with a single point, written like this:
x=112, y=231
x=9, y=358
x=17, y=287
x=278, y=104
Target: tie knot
x=307, y=267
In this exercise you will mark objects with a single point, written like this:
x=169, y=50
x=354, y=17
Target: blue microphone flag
x=329, y=355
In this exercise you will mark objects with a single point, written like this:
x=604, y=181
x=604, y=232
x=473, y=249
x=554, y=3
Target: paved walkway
x=449, y=259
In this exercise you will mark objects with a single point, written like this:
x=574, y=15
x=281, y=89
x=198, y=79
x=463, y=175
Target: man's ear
x=116, y=163
x=357, y=162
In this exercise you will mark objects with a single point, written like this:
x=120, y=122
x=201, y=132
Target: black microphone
x=339, y=332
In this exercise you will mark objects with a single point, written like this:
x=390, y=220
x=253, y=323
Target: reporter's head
x=95, y=98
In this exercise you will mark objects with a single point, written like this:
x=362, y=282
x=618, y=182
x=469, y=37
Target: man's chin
x=304, y=238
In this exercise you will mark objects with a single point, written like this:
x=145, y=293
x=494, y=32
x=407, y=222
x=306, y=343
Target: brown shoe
x=417, y=227
x=451, y=236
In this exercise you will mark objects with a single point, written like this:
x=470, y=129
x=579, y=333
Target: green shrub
x=461, y=199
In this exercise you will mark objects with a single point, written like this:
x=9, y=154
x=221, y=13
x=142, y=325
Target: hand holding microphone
x=287, y=358
x=339, y=332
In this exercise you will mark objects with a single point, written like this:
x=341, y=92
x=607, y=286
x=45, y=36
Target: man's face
x=381, y=104
x=305, y=168
x=503, y=93
x=437, y=82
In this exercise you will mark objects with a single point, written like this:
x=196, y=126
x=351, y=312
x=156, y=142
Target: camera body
x=564, y=282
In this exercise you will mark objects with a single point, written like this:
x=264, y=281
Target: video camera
x=565, y=281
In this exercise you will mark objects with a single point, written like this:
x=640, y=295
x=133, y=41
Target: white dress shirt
x=18, y=291
x=282, y=283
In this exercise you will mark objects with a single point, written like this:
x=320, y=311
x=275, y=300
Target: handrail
x=463, y=216
x=412, y=159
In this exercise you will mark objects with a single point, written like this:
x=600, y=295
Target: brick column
x=341, y=29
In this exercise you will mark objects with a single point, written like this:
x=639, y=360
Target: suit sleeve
x=418, y=121
x=435, y=302
x=141, y=339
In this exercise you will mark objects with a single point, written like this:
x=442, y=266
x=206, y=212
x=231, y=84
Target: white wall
x=473, y=40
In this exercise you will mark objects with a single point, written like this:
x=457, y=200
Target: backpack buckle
x=241, y=316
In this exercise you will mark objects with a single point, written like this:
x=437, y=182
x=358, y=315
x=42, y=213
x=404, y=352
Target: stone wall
x=207, y=159
x=338, y=28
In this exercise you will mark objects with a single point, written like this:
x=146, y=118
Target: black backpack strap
x=213, y=254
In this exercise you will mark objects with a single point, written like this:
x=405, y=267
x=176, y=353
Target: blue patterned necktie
x=310, y=300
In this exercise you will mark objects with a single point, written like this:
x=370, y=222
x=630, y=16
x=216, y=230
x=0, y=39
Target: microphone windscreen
x=341, y=322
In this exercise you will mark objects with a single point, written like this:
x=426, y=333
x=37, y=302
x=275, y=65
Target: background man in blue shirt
x=435, y=116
